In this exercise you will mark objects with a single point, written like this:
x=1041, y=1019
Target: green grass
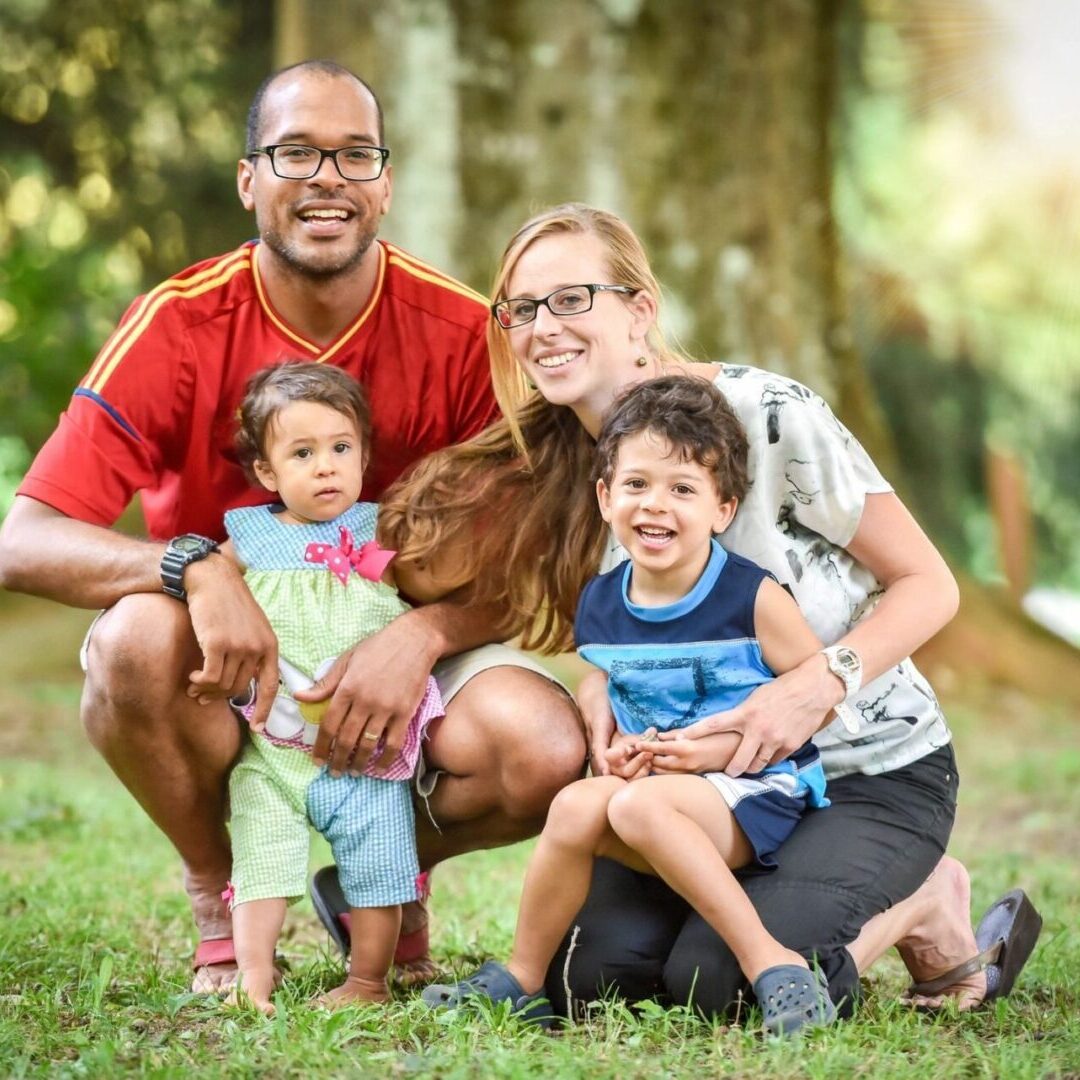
x=96, y=938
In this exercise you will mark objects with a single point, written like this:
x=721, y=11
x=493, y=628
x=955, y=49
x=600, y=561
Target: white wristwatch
x=846, y=664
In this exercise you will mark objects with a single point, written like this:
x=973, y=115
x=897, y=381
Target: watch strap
x=845, y=663
x=180, y=553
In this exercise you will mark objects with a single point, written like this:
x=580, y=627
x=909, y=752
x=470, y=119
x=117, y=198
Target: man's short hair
x=329, y=68
x=692, y=416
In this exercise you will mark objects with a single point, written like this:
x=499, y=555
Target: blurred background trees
x=831, y=188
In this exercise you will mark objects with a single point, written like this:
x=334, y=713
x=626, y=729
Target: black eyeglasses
x=291, y=161
x=571, y=300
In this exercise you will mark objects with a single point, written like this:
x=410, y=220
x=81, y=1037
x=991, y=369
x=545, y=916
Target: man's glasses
x=291, y=161
x=571, y=300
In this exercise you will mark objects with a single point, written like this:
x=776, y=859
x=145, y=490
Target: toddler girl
x=312, y=563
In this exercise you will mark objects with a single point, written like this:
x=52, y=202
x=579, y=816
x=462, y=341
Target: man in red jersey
x=156, y=414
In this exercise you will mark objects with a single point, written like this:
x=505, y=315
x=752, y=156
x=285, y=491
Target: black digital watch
x=181, y=553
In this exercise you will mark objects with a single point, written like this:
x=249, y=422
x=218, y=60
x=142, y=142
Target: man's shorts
x=451, y=674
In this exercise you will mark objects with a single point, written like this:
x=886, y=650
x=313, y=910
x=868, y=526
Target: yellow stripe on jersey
x=426, y=272
x=272, y=315
x=116, y=348
x=362, y=318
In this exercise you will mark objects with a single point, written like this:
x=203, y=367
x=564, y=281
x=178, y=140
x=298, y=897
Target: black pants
x=874, y=846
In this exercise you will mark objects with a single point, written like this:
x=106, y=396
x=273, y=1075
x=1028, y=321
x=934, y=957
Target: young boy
x=683, y=630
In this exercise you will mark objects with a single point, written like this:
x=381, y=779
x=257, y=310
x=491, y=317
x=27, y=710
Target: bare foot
x=252, y=989
x=355, y=990
x=941, y=937
x=212, y=919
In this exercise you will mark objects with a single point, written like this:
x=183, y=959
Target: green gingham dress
x=275, y=790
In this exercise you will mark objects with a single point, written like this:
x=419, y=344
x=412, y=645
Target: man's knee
x=544, y=759
x=525, y=733
x=134, y=659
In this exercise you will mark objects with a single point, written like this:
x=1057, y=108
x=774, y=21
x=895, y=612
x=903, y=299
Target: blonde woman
x=513, y=513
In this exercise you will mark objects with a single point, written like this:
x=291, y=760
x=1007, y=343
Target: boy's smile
x=664, y=510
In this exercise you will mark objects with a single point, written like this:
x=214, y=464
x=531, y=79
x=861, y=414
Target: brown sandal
x=1006, y=935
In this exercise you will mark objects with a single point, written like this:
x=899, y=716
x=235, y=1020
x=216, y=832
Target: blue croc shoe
x=493, y=983
x=793, y=998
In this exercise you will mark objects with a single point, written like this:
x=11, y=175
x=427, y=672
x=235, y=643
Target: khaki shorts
x=451, y=674
x=454, y=672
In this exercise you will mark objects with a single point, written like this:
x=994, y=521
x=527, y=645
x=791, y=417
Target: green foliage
x=121, y=122
x=965, y=294
x=14, y=458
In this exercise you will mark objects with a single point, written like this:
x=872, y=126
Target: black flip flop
x=332, y=907
x=1006, y=937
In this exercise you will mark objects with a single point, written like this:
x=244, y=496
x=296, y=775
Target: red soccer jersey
x=157, y=411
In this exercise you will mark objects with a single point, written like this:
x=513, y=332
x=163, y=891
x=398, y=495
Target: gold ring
x=369, y=735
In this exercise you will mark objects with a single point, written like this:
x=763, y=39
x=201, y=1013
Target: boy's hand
x=627, y=757
x=599, y=720
x=675, y=754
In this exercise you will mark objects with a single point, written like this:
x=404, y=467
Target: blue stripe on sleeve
x=99, y=400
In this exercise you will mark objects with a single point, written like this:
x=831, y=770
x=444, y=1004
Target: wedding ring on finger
x=370, y=736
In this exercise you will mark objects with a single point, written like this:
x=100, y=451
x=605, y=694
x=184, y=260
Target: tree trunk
x=708, y=126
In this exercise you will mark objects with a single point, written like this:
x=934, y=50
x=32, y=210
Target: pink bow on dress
x=369, y=561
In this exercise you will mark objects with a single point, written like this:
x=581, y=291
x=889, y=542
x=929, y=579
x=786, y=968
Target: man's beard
x=318, y=271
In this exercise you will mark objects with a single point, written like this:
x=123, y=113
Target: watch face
x=187, y=544
x=848, y=660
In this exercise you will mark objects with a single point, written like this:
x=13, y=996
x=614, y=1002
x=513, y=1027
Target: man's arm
x=376, y=686
x=46, y=553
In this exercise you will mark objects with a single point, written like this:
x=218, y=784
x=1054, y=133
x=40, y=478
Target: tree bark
x=708, y=126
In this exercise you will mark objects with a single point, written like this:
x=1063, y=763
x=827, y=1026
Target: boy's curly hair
x=692, y=416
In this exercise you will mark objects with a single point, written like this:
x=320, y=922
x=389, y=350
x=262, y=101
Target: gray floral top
x=809, y=478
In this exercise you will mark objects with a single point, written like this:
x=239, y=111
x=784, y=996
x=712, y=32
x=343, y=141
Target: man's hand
x=627, y=757
x=599, y=720
x=374, y=689
x=776, y=719
x=234, y=636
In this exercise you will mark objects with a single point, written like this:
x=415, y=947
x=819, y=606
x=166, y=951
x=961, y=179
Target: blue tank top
x=670, y=666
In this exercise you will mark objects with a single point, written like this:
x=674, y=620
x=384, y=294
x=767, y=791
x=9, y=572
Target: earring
x=641, y=361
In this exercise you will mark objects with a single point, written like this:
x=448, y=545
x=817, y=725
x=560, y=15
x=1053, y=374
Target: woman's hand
x=599, y=720
x=776, y=719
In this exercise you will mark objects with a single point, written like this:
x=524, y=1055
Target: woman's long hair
x=516, y=505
